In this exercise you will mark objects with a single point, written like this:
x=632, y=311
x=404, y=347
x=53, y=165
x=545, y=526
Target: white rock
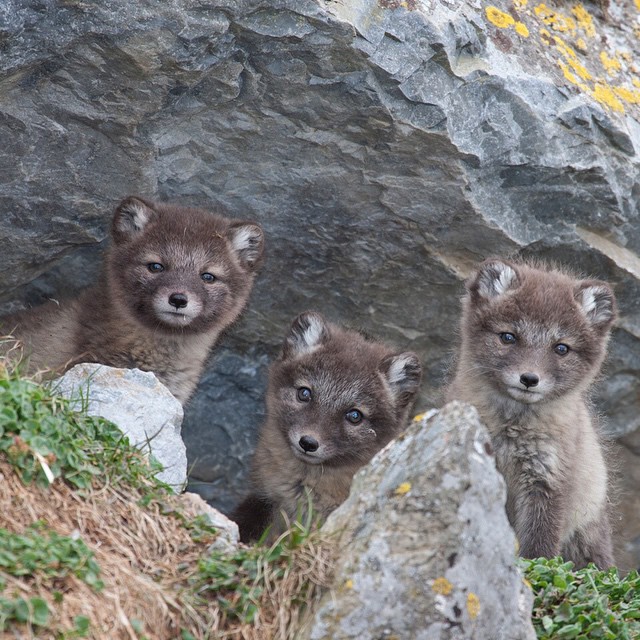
x=140, y=405
x=229, y=536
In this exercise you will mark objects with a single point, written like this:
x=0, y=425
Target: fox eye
x=155, y=267
x=507, y=338
x=304, y=394
x=561, y=349
x=354, y=416
x=208, y=277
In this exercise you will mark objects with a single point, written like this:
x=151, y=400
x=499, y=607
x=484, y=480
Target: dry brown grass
x=131, y=545
x=147, y=559
x=154, y=587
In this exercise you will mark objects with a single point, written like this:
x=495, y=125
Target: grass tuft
x=44, y=440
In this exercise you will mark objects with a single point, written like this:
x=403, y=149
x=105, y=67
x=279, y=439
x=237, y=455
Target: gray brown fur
x=544, y=437
x=127, y=319
x=343, y=370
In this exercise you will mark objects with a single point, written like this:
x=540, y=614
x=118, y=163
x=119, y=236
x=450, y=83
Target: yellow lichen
x=611, y=65
x=499, y=18
x=419, y=417
x=571, y=77
x=348, y=584
x=637, y=3
x=571, y=58
x=403, y=489
x=504, y=20
x=554, y=19
x=581, y=45
x=584, y=20
x=564, y=48
x=636, y=82
x=604, y=94
x=473, y=605
x=442, y=586
x=628, y=95
x=580, y=69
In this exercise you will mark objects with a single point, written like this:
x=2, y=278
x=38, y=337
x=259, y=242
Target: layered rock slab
x=424, y=548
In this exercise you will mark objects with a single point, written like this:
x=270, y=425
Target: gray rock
x=385, y=146
x=141, y=406
x=228, y=535
x=425, y=550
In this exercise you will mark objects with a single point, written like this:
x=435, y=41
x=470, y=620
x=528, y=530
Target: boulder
x=140, y=405
x=385, y=146
x=423, y=546
x=228, y=535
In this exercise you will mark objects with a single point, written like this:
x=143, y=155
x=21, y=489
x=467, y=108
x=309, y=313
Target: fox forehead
x=189, y=256
x=534, y=332
x=539, y=308
x=334, y=390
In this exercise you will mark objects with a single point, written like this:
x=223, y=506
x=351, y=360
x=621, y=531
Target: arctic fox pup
x=173, y=279
x=533, y=341
x=335, y=398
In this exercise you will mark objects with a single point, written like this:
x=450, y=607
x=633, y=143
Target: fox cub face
x=533, y=334
x=181, y=269
x=337, y=396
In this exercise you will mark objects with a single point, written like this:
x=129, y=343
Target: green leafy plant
x=47, y=553
x=45, y=439
x=583, y=604
x=39, y=553
x=33, y=611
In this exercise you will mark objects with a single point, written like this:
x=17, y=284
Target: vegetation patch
x=44, y=439
x=583, y=604
x=92, y=545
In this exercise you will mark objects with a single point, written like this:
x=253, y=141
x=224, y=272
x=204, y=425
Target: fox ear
x=131, y=216
x=308, y=332
x=247, y=240
x=597, y=301
x=493, y=279
x=403, y=373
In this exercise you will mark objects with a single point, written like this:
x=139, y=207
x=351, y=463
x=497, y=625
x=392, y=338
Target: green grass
x=585, y=604
x=237, y=581
x=47, y=555
x=42, y=436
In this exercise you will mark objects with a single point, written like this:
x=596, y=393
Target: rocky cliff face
x=385, y=147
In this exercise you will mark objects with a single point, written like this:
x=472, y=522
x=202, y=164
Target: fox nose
x=178, y=300
x=308, y=444
x=529, y=380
